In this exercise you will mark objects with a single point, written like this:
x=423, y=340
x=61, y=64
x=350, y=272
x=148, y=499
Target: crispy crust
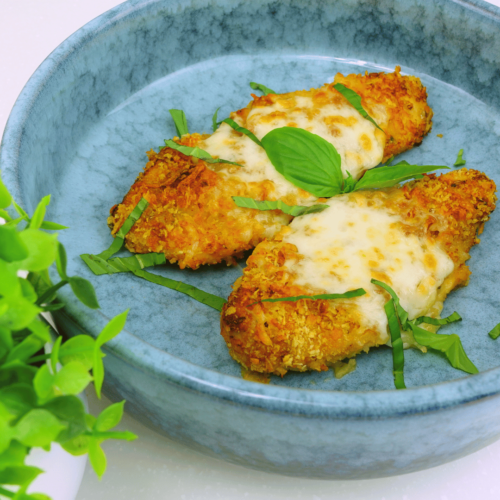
x=192, y=218
x=313, y=334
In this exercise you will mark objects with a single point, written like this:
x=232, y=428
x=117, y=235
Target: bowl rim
x=171, y=369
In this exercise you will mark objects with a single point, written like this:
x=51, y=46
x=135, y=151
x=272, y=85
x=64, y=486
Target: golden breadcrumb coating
x=449, y=210
x=191, y=216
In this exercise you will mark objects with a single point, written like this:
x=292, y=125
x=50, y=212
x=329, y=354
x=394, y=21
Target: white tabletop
x=154, y=467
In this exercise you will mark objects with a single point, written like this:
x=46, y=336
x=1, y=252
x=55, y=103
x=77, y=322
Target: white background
x=154, y=467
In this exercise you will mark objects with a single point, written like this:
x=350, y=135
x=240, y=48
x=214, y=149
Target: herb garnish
x=495, y=332
x=197, y=153
x=294, y=210
x=355, y=100
x=242, y=130
x=459, y=161
x=180, y=121
x=258, y=86
x=38, y=392
x=101, y=264
x=322, y=296
x=398, y=357
x=215, y=123
x=449, y=345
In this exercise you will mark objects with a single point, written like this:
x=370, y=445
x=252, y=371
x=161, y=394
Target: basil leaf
x=84, y=291
x=100, y=266
x=324, y=296
x=294, y=210
x=38, y=428
x=97, y=457
x=258, y=86
x=110, y=417
x=180, y=121
x=459, y=161
x=12, y=247
x=242, y=130
x=349, y=183
x=398, y=359
x=307, y=160
x=5, y=197
x=214, y=119
x=402, y=314
x=204, y=297
x=197, y=153
x=450, y=345
x=495, y=333
x=388, y=176
x=355, y=100
x=442, y=321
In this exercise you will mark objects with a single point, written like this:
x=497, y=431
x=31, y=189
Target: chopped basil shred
x=355, y=100
x=196, y=152
x=258, y=86
x=180, y=121
x=102, y=264
x=215, y=123
x=294, y=210
x=324, y=296
x=495, y=333
x=242, y=130
x=449, y=345
x=459, y=161
x=398, y=357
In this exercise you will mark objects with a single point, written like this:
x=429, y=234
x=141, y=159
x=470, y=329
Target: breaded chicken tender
x=192, y=218
x=415, y=238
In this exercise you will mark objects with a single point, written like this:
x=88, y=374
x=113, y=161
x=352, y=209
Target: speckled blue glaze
x=79, y=131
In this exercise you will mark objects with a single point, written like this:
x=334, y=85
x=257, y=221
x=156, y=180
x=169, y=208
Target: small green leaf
x=355, y=100
x=5, y=197
x=4, y=214
x=38, y=216
x=112, y=329
x=27, y=290
x=258, y=86
x=43, y=383
x=450, y=345
x=196, y=152
x=214, y=119
x=69, y=410
x=72, y=378
x=98, y=371
x=61, y=261
x=18, y=399
x=38, y=428
x=14, y=455
x=398, y=360
x=127, y=436
x=242, y=130
x=12, y=248
x=42, y=249
x=19, y=313
x=79, y=348
x=459, y=161
x=52, y=226
x=307, y=160
x=97, y=457
x=84, y=291
x=19, y=475
x=495, y=333
x=349, y=183
x=402, y=314
x=180, y=121
x=77, y=446
x=324, y=296
x=110, y=417
x=21, y=211
x=9, y=282
x=54, y=355
x=294, y=210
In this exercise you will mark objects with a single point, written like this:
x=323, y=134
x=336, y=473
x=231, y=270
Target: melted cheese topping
x=323, y=112
x=348, y=244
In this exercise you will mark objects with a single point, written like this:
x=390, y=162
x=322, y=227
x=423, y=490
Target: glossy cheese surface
x=352, y=242
x=323, y=111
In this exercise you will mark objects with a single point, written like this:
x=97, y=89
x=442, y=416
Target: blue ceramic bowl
x=79, y=131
